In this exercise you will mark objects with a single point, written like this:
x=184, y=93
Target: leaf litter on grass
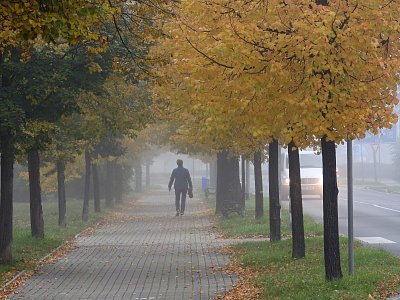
x=244, y=288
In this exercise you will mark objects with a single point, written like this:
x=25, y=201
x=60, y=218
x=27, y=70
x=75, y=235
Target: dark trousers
x=180, y=200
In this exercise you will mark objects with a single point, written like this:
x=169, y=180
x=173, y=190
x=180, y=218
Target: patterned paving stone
x=150, y=255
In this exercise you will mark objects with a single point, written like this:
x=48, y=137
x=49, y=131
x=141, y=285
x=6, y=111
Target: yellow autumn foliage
x=48, y=174
x=240, y=73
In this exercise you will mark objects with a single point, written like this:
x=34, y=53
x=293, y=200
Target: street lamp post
x=350, y=232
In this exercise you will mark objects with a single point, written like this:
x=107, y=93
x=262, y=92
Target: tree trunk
x=330, y=209
x=147, y=174
x=330, y=205
x=118, y=187
x=86, y=195
x=37, y=223
x=228, y=184
x=138, y=177
x=108, y=185
x=96, y=188
x=258, y=183
x=274, y=205
x=6, y=206
x=247, y=180
x=62, y=205
x=298, y=244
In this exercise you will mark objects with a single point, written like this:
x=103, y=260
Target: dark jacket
x=182, y=179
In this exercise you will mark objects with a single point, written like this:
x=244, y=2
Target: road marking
x=375, y=240
x=387, y=208
x=378, y=206
x=362, y=202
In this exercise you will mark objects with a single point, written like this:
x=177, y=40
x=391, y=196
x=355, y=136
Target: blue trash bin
x=204, y=184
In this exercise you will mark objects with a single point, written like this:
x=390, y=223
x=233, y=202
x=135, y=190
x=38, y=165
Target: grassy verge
x=395, y=189
x=386, y=189
x=237, y=226
x=377, y=273
x=376, y=186
x=27, y=251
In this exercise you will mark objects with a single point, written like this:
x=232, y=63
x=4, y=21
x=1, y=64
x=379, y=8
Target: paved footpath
x=151, y=254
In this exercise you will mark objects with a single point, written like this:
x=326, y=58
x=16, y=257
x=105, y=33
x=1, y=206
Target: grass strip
x=377, y=273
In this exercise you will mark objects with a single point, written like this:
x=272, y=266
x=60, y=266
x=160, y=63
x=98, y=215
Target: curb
x=382, y=190
x=12, y=280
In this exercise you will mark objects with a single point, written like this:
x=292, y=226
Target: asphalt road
x=376, y=217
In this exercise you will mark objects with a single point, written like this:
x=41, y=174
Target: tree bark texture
x=96, y=188
x=62, y=203
x=258, y=183
x=228, y=185
x=330, y=210
x=6, y=203
x=86, y=194
x=109, y=185
x=298, y=243
x=274, y=205
x=37, y=223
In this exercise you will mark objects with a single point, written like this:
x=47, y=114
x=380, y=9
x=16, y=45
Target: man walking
x=182, y=179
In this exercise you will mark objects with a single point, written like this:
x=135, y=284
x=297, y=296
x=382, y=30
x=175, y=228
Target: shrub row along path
x=148, y=254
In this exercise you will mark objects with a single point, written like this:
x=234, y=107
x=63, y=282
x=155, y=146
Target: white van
x=310, y=173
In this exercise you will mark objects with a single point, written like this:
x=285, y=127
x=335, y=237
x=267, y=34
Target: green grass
x=248, y=226
x=28, y=250
x=281, y=277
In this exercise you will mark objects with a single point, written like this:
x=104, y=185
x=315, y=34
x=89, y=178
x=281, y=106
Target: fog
x=163, y=164
x=363, y=165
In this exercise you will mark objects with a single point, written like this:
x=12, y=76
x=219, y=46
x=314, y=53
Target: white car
x=310, y=172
